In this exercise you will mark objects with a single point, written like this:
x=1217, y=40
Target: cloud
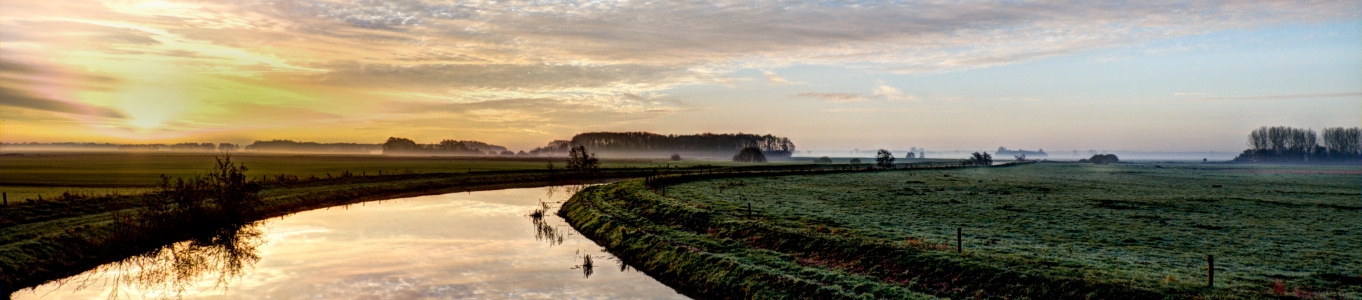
x=1282, y=97
x=571, y=60
x=15, y=98
x=891, y=93
x=833, y=97
x=774, y=79
x=880, y=92
x=1190, y=94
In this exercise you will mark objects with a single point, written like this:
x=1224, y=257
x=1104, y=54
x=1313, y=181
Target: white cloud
x=892, y=94
x=774, y=79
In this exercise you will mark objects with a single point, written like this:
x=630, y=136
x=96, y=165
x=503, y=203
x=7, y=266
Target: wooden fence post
x=959, y=240
x=1210, y=270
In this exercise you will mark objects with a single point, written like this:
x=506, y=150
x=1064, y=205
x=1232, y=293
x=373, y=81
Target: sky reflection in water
x=466, y=245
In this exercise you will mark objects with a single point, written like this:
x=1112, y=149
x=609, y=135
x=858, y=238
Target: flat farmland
x=28, y=175
x=1274, y=230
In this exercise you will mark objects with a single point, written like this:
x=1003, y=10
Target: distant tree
x=554, y=148
x=676, y=157
x=507, y=153
x=398, y=145
x=1343, y=142
x=227, y=147
x=750, y=154
x=581, y=161
x=1103, y=159
x=823, y=160
x=855, y=161
x=623, y=142
x=884, y=159
x=910, y=155
x=980, y=159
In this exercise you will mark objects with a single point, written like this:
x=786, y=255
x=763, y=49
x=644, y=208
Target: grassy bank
x=1045, y=231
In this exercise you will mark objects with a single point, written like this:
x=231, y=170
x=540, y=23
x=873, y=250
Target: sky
x=1138, y=75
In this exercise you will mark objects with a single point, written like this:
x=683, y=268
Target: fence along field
x=1272, y=230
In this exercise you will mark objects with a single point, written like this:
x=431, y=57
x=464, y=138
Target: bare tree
x=581, y=161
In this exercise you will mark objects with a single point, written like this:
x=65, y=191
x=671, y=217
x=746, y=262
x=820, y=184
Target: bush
x=1103, y=159
x=222, y=197
x=823, y=160
x=884, y=159
x=980, y=159
x=750, y=154
x=855, y=161
x=676, y=157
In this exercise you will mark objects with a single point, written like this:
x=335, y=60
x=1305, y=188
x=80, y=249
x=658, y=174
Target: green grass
x=50, y=174
x=1045, y=231
x=1144, y=226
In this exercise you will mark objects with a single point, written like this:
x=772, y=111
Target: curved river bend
x=467, y=245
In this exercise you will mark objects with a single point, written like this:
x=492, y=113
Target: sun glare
x=150, y=108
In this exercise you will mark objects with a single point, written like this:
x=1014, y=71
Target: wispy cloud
x=833, y=97
x=1281, y=97
x=773, y=79
x=14, y=98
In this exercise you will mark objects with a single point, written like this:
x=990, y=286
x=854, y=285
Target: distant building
x=1019, y=152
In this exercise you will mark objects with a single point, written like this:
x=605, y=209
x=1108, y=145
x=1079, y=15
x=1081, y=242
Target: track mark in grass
x=1208, y=227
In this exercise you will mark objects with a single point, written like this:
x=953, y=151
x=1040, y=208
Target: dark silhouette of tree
x=884, y=159
x=823, y=160
x=855, y=161
x=980, y=159
x=676, y=157
x=713, y=144
x=227, y=147
x=1287, y=144
x=1102, y=159
x=396, y=145
x=581, y=161
x=554, y=148
x=1342, y=143
x=224, y=196
x=910, y=155
x=292, y=146
x=749, y=154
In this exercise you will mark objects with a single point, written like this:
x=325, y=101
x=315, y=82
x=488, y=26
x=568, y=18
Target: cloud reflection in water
x=475, y=245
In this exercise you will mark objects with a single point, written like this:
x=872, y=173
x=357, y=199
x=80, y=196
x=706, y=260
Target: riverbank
x=50, y=240
x=1030, y=232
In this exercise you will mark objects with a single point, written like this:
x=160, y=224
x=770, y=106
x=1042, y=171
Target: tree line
x=705, y=143
x=294, y=146
x=1289, y=144
x=208, y=147
x=396, y=145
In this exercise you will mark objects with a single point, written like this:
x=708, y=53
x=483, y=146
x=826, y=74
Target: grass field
x=1039, y=231
x=30, y=175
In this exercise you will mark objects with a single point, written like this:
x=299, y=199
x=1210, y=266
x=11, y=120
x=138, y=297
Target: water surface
x=466, y=245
